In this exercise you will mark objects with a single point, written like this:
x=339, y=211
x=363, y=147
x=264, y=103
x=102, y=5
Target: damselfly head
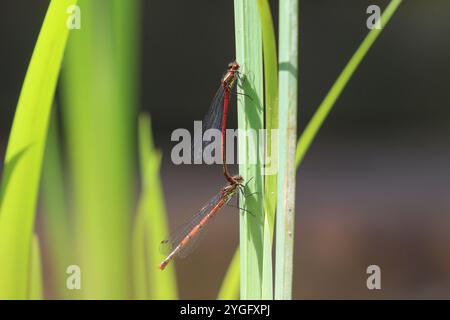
x=233, y=66
x=238, y=179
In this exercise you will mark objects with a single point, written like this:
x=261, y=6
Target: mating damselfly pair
x=181, y=242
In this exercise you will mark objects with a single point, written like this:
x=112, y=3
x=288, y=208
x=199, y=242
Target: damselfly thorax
x=230, y=76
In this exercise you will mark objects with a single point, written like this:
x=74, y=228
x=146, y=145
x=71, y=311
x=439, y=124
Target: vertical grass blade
x=25, y=151
x=327, y=104
x=126, y=21
x=56, y=231
x=271, y=115
x=288, y=75
x=99, y=110
x=139, y=265
x=35, y=291
x=250, y=121
x=230, y=285
x=152, y=215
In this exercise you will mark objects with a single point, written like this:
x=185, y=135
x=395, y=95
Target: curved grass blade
x=328, y=102
x=20, y=181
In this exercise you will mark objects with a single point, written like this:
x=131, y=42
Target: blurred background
x=373, y=189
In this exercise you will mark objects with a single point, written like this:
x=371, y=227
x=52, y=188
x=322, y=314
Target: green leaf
x=250, y=120
x=327, y=104
x=151, y=225
x=313, y=126
x=35, y=291
x=25, y=151
x=99, y=113
x=230, y=285
x=271, y=162
x=140, y=280
x=288, y=73
x=56, y=232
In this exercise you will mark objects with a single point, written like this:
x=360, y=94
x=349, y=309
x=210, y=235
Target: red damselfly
x=216, y=118
x=180, y=243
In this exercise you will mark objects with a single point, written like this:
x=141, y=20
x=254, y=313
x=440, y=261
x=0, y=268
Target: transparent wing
x=181, y=232
x=212, y=120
